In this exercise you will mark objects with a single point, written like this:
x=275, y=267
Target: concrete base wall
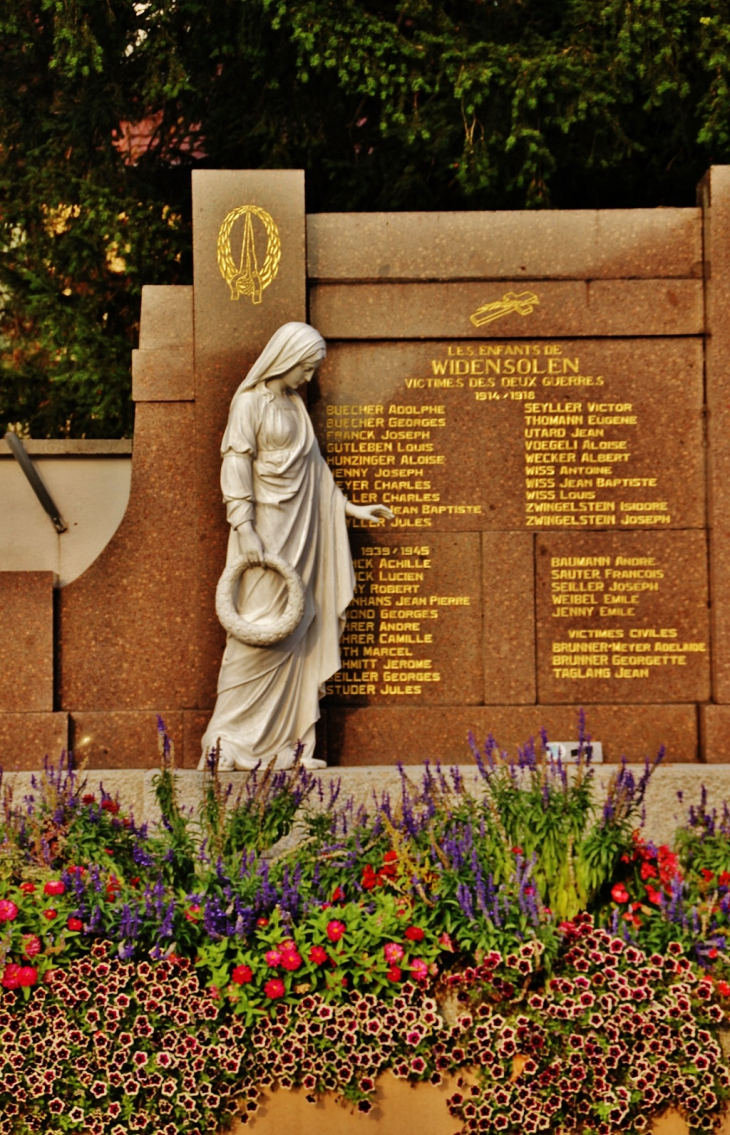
x=664, y=811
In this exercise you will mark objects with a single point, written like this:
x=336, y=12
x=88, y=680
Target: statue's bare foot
x=286, y=758
x=312, y=762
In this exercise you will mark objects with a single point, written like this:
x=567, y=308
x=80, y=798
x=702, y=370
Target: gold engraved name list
x=450, y=437
x=625, y=607
x=388, y=453
x=397, y=624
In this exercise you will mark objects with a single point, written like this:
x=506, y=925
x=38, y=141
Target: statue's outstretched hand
x=249, y=544
x=375, y=513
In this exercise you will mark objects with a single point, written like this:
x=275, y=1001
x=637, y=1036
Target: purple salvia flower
x=167, y=925
x=477, y=756
x=129, y=922
x=96, y=922
x=465, y=900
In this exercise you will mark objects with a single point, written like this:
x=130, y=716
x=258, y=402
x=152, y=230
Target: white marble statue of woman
x=280, y=497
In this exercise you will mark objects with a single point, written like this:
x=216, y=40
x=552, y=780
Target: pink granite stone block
x=26, y=739
x=26, y=649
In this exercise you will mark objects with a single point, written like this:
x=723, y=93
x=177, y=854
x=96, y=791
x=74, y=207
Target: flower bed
x=112, y=1046
x=525, y=946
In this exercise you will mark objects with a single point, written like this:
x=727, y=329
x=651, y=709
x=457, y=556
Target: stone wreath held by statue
x=288, y=580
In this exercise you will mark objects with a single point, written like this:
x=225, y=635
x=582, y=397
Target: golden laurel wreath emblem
x=247, y=279
x=522, y=304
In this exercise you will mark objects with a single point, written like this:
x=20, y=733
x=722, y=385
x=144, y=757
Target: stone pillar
x=29, y=727
x=127, y=635
x=714, y=197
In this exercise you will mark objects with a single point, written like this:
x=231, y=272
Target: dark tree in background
x=106, y=105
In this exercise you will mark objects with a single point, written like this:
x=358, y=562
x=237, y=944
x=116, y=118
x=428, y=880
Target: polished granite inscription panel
x=414, y=629
x=484, y=435
x=622, y=617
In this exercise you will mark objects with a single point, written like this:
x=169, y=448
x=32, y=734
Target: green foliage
x=442, y=874
x=222, y=884
x=262, y=813
x=408, y=105
x=60, y=824
x=173, y=845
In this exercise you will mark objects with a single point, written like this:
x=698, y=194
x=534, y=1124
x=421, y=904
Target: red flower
x=707, y=875
x=76, y=870
x=88, y=799
x=318, y=955
x=723, y=989
x=335, y=930
x=27, y=975
x=619, y=893
x=31, y=945
x=338, y=895
x=274, y=988
x=191, y=914
x=668, y=865
x=653, y=895
x=369, y=879
x=50, y=914
x=8, y=910
x=291, y=960
x=75, y=924
x=27, y=888
x=54, y=887
x=517, y=851
x=242, y=975
x=262, y=922
x=648, y=871
x=110, y=806
x=273, y=958
x=415, y=934
x=724, y=878
x=10, y=976
x=390, y=865
x=113, y=887
x=394, y=974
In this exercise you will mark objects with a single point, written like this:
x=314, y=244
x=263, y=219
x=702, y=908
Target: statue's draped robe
x=274, y=474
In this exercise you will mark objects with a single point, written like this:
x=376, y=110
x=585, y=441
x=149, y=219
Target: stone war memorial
x=528, y=415
x=540, y=400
